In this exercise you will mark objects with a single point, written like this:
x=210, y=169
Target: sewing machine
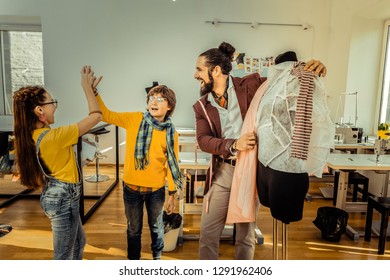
x=350, y=134
x=380, y=147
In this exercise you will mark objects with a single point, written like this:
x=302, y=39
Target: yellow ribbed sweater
x=157, y=173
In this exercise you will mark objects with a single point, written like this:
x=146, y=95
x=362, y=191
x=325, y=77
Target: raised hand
x=96, y=83
x=87, y=78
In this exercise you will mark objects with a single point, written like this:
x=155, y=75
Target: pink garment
x=243, y=194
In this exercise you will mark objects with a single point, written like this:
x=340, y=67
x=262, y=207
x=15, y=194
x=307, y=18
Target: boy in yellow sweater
x=150, y=165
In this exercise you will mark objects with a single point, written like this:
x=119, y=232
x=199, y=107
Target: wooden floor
x=106, y=231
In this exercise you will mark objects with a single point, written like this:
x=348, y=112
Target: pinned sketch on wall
x=248, y=65
x=238, y=61
x=258, y=65
x=265, y=63
x=255, y=64
x=244, y=64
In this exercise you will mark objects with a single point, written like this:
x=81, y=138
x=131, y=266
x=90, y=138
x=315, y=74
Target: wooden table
x=358, y=148
x=186, y=131
x=346, y=163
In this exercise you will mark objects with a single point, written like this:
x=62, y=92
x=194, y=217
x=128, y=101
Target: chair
x=382, y=205
x=98, y=177
x=355, y=179
x=193, y=176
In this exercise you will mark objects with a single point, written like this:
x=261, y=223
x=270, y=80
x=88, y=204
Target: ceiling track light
x=254, y=24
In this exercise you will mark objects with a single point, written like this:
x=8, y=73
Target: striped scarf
x=303, y=113
x=144, y=137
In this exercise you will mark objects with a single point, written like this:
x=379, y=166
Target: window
x=21, y=61
x=385, y=95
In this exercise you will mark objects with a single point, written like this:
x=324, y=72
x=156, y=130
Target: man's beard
x=208, y=87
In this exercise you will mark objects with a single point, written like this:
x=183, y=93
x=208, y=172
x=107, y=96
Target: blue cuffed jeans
x=60, y=202
x=134, y=205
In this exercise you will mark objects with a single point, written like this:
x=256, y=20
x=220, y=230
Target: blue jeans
x=60, y=202
x=134, y=206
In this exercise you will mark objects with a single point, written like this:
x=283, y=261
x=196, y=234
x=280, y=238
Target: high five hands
x=89, y=78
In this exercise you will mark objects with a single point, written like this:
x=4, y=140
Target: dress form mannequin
x=282, y=191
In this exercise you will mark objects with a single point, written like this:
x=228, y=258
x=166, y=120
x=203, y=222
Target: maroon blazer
x=210, y=138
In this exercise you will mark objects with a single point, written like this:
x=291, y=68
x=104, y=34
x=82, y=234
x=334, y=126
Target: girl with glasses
x=45, y=157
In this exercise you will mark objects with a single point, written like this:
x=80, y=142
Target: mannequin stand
x=275, y=240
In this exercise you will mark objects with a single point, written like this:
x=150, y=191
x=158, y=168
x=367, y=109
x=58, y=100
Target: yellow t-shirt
x=57, y=152
x=157, y=173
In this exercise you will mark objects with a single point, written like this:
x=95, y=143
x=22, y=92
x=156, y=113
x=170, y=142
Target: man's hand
x=316, y=66
x=246, y=141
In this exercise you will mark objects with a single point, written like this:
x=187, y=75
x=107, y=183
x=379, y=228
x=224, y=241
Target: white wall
x=355, y=51
x=366, y=43
x=132, y=43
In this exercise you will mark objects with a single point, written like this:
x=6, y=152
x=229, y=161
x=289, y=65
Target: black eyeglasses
x=54, y=102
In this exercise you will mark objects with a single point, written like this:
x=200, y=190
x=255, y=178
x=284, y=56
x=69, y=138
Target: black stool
x=4, y=142
x=382, y=205
x=355, y=179
x=98, y=177
x=192, y=175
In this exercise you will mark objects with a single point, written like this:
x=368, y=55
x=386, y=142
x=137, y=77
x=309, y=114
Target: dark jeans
x=134, y=206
